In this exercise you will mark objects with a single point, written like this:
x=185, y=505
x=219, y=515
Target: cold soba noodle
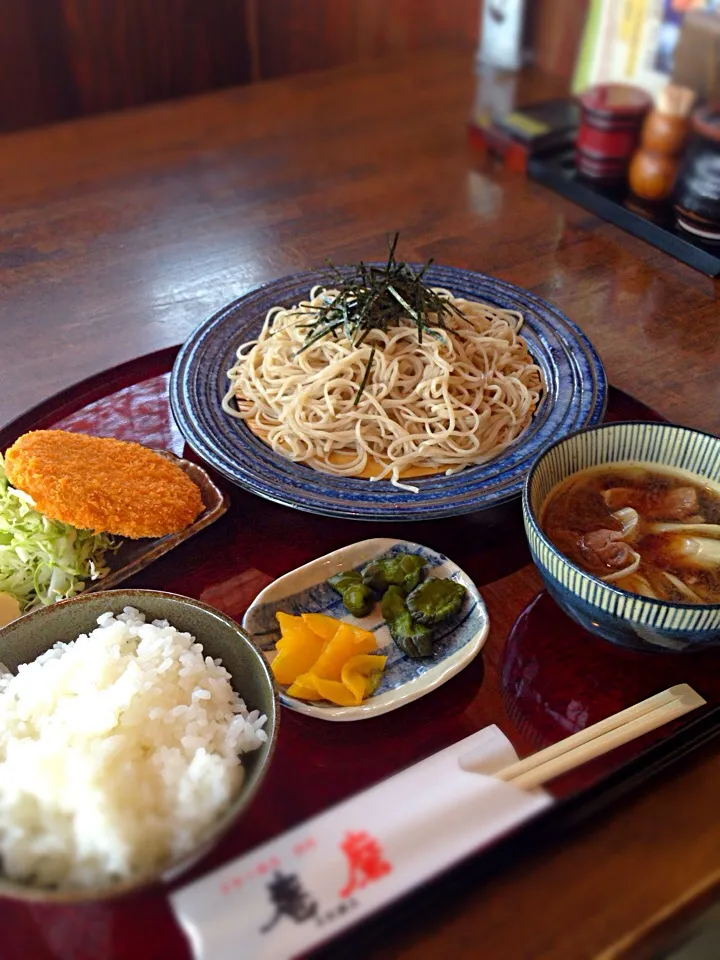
x=651, y=531
x=455, y=397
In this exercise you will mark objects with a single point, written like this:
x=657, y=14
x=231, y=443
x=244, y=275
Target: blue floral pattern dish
x=576, y=398
x=305, y=590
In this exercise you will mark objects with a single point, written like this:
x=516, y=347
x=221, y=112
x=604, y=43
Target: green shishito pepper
x=435, y=600
x=414, y=639
x=356, y=596
x=403, y=570
x=410, y=608
x=392, y=605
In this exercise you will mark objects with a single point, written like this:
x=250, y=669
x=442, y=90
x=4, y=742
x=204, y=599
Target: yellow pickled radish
x=298, y=651
x=289, y=625
x=362, y=674
x=304, y=688
x=336, y=692
x=324, y=626
x=320, y=658
x=348, y=642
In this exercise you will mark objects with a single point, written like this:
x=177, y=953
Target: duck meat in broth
x=651, y=531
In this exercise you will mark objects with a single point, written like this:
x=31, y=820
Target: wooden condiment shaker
x=654, y=166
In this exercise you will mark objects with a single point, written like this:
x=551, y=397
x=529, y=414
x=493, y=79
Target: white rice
x=117, y=752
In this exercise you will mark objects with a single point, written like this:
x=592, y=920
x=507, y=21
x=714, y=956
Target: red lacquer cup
x=611, y=118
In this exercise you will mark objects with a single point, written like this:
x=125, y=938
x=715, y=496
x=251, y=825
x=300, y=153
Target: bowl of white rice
x=135, y=728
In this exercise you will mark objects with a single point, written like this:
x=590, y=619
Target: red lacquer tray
x=540, y=677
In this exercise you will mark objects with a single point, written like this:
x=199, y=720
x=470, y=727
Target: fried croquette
x=103, y=485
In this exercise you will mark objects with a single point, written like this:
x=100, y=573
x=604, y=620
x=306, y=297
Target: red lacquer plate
x=539, y=678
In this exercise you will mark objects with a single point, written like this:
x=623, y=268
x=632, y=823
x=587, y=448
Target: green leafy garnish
x=378, y=298
x=43, y=560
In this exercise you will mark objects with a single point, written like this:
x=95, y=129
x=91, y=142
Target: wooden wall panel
x=295, y=36
x=64, y=58
x=556, y=28
x=389, y=26
x=36, y=85
x=128, y=52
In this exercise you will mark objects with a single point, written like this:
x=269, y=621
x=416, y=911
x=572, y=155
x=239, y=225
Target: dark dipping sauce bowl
x=628, y=619
x=697, y=194
x=612, y=115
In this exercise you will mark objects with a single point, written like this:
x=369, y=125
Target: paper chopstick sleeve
x=311, y=883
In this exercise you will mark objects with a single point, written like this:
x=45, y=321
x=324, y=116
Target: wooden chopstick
x=602, y=737
x=590, y=733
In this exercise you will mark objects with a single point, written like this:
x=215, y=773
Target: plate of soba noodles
x=384, y=391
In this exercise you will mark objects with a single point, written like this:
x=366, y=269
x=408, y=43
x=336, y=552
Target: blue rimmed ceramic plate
x=457, y=641
x=576, y=398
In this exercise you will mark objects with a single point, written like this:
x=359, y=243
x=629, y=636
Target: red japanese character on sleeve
x=365, y=861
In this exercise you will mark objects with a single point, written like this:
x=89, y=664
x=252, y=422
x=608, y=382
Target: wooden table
x=121, y=233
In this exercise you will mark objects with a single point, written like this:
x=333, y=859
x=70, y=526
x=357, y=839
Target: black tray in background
x=616, y=204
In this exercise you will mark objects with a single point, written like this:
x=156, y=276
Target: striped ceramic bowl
x=599, y=607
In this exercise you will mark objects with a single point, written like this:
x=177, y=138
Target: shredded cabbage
x=43, y=560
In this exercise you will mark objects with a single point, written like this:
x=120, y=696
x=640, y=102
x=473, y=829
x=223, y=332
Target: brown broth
x=577, y=517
